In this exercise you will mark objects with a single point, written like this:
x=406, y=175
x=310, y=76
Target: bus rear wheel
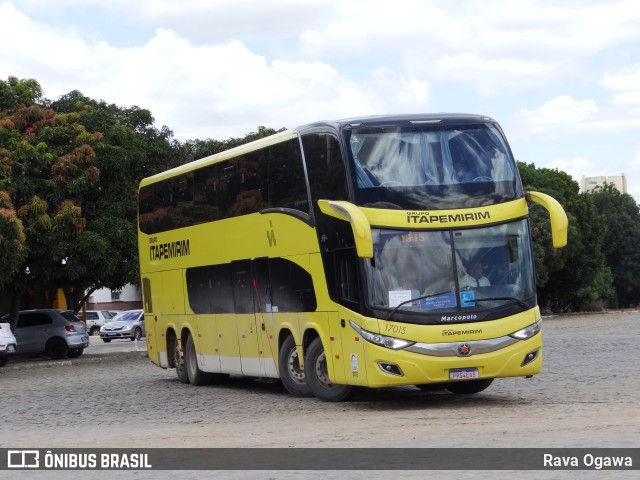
x=178, y=360
x=469, y=387
x=317, y=375
x=195, y=375
x=292, y=376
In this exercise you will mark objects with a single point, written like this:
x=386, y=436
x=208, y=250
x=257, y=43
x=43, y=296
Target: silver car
x=58, y=333
x=7, y=343
x=129, y=324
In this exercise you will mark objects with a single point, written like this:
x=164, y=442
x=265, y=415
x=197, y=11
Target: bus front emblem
x=464, y=349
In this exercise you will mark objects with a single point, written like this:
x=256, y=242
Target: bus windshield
x=430, y=166
x=459, y=271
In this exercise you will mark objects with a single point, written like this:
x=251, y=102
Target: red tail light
x=70, y=328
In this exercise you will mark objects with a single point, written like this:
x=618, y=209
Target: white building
x=128, y=298
x=587, y=184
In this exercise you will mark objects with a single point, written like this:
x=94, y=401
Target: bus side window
x=283, y=177
x=346, y=275
x=209, y=289
x=325, y=167
x=292, y=286
x=146, y=295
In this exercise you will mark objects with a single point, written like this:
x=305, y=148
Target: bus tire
x=317, y=375
x=196, y=376
x=292, y=376
x=178, y=359
x=469, y=387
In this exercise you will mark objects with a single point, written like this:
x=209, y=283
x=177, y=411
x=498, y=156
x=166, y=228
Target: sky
x=561, y=78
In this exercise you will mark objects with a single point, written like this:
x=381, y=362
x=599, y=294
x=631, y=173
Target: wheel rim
x=178, y=359
x=321, y=371
x=293, y=367
x=190, y=360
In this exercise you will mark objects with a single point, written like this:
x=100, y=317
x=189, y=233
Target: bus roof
x=407, y=119
x=232, y=152
x=364, y=121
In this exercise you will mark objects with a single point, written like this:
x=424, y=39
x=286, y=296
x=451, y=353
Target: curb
x=87, y=358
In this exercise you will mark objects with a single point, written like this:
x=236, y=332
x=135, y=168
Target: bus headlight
x=528, y=332
x=381, y=340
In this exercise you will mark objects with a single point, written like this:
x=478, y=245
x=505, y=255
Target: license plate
x=463, y=373
x=111, y=334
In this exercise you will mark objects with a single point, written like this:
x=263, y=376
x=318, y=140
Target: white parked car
x=8, y=343
x=96, y=319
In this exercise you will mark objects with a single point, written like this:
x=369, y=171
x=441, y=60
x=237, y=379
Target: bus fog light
x=391, y=368
x=529, y=357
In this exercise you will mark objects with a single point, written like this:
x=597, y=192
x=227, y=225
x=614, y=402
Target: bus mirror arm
x=359, y=223
x=557, y=216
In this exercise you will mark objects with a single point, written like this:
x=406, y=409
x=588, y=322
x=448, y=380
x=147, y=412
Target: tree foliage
x=576, y=276
x=69, y=172
x=621, y=246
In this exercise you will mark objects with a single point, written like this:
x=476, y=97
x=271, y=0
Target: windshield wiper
x=421, y=297
x=491, y=299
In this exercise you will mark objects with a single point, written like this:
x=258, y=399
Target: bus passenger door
x=266, y=314
x=248, y=332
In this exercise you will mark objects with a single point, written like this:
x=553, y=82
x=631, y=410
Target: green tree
x=576, y=276
x=196, y=149
x=69, y=172
x=12, y=240
x=621, y=242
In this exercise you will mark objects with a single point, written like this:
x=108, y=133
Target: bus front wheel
x=317, y=375
x=292, y=376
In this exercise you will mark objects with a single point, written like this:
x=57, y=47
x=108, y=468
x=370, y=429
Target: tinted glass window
x=146, y=294
x=229, y=288
x=33, y=319
x=209, y=289
x=325, y=167
x=242, y=287
x=431, y=166
x=272, y=177
x=291, y=286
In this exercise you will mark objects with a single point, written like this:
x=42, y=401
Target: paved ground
x=587, y=396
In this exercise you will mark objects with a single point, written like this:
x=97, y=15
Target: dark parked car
x=58, y=333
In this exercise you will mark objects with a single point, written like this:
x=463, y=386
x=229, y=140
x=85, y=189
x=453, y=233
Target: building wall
x=587, y=184
x=128, y=298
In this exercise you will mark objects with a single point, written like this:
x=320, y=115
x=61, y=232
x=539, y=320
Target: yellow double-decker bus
x=374, y=252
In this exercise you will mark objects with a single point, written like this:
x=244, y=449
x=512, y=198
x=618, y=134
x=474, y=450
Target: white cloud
x=577, y=167
x=625, y=83
x=559, y=116
x=492, y=77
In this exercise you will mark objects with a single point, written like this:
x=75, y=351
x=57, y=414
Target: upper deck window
x=432, y=166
